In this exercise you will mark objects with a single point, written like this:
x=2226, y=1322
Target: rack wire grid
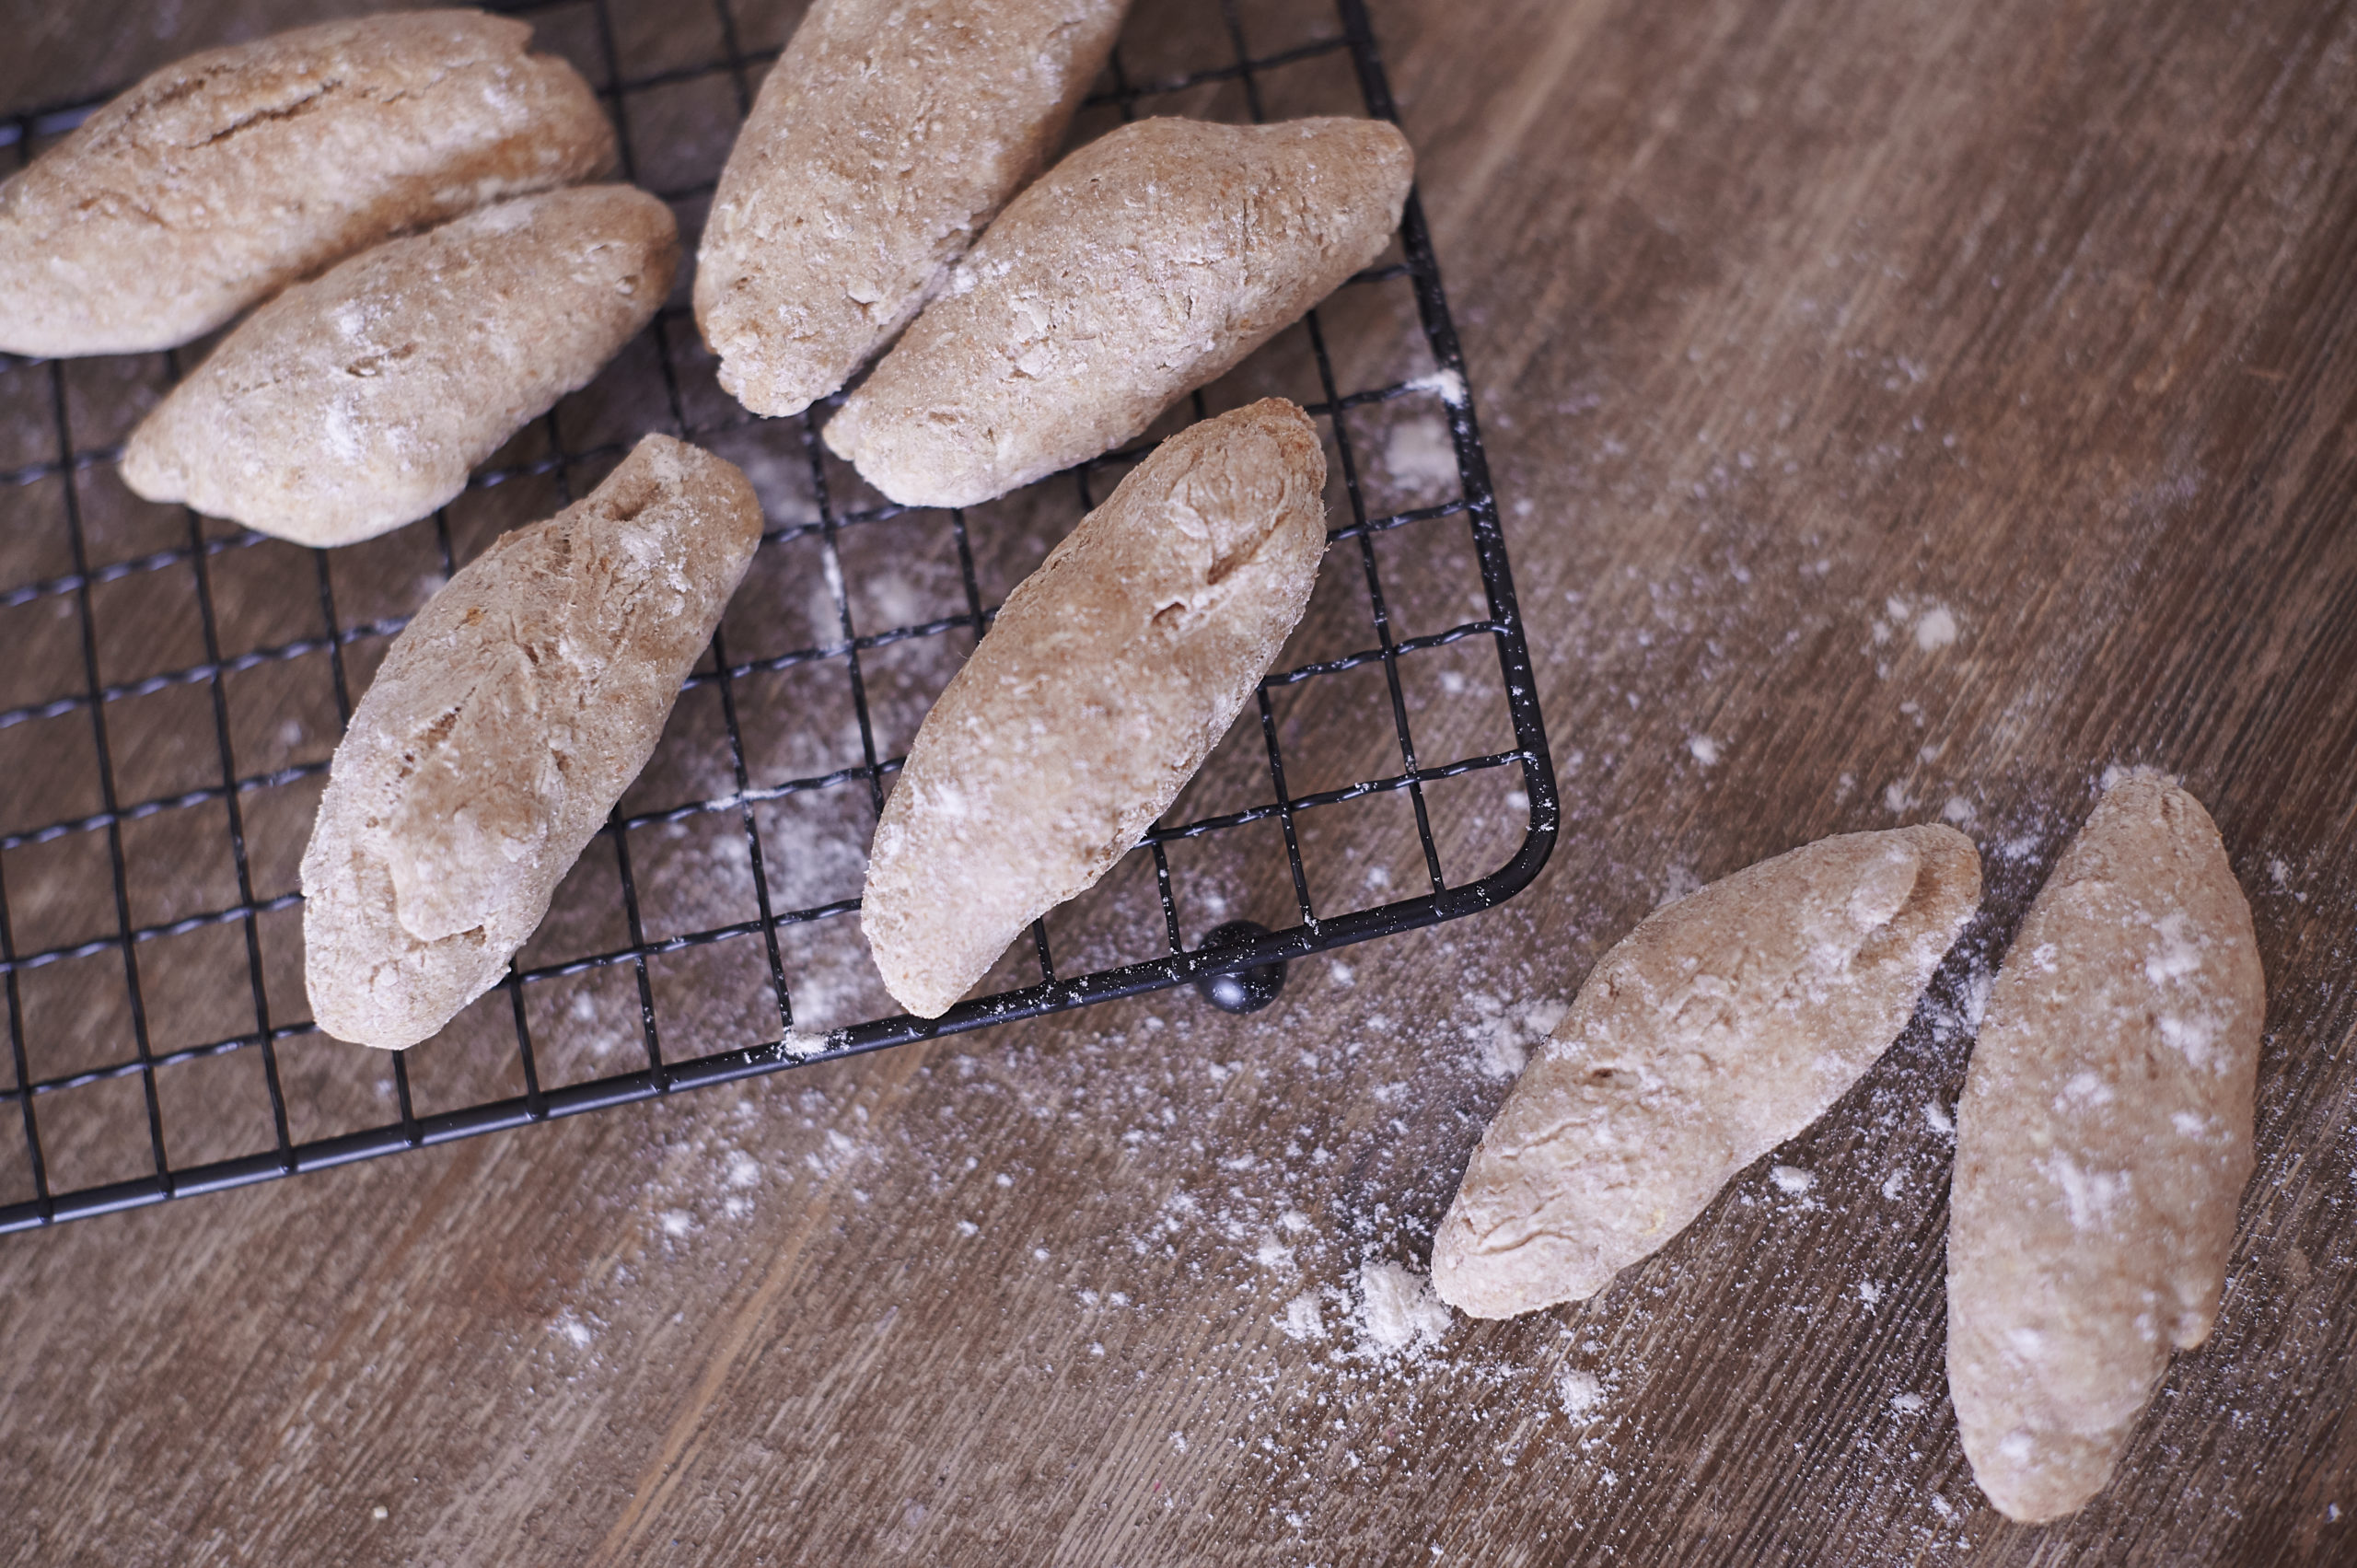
x=172, y=688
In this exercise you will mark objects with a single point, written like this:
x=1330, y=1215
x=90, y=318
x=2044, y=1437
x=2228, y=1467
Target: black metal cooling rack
x=86, y=1029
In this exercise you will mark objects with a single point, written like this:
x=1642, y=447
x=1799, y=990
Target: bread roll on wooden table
x=361, y=401
x=1143, y=266
x=506, y=721
x=889, y=134
x=223, y=177
x=1721, y=1025
x=2102, y=1147
x=1105, y=682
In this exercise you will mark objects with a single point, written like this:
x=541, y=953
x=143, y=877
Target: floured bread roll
x=1143, y=266
x=889, y=134
x=361, y=401
x=2102, y=1146
x=1105, y=682
x=506, y=721
x=225, y=176
x=1718, y=1029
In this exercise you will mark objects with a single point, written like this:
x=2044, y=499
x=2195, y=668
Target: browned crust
x=223, y=177
x=887, y=136
x=2102, y=1147
x=1105, y=682
x=1143, y=266
x=361, y=401
x=1720, y=1027
x=506, y=721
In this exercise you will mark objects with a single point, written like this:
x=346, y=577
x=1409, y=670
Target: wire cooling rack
x=172, y=687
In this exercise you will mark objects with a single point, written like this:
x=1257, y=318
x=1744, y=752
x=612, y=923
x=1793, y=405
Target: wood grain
x=1787, y=320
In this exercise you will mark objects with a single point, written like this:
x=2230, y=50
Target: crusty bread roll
x=506, y=721
x=1143, y=266
x=221, y=178
x=1105, y=682
x=1721, y=1026
x=361, y=401
x=889, y=134
x=2102, y=1146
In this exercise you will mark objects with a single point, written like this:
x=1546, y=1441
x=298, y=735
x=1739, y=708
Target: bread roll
x=2103, y=1143
x=1141, y=267
x=1721, y=1026
x=361, y=401
x=220, y=180
x=1107, y=679
x=506, y=721
x=889, y=134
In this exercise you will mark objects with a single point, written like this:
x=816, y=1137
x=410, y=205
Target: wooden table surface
x=1793, y=324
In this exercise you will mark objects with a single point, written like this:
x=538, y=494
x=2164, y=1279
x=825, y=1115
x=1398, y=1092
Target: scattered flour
x=1303, y=1320
x=1447, y=384
x=1581, y=1393
x=1398, y=1311
x=1421, y=458
x=1502, y=1036
x=1791, y=1180
x=1705, y=750
x=1935, y=629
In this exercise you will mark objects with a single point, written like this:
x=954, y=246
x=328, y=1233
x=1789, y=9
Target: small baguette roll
x=2102, y=1146
x=1105, y=682
x=361, y=401
x=219, y=179
x=1143, y=266
x=506, y=721
x=1721, y=1026
x=889, y=134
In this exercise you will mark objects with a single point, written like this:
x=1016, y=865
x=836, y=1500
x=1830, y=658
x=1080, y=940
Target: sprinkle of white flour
x=1935, y=629
x=1421, y=458
x=1580, y=1392
x=1705, y=749
x=1398, y=1311
x=1907, y=1404
x=1503, y=1037
x=1791, y=1178
x=1302, y=1320
x=1447, y=383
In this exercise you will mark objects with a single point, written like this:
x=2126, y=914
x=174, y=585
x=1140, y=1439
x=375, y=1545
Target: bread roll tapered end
x=1145, y=265
x=2102, y=1147
x=1721, y=1025
x=223, y=177
x=507, y=718
x=1105, y=682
